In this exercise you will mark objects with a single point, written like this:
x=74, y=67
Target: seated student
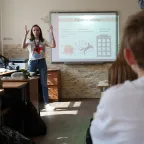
x=119, y=118
x=120, y=71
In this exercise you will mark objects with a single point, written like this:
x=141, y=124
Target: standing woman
x=37, y=48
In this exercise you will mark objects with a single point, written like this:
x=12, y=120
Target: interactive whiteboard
x=85, y=37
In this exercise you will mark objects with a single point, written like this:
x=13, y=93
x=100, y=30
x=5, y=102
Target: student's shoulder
x=120, y=87
x=115, y=91
x=115, y=88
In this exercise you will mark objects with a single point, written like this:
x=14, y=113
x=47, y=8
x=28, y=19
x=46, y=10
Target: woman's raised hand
x=51, y=29
x=26, y=31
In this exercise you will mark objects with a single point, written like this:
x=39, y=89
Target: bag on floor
x=10, y=99
x=9, y=136
x=14, y=118
x=33, y=124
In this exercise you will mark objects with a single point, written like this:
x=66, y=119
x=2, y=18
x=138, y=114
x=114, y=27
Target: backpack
x=25, y=119
x=33, y=125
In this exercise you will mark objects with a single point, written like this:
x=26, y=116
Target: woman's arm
x=24, y=44
x=53, y=43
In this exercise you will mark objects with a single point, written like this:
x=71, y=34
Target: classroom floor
x=68, y=123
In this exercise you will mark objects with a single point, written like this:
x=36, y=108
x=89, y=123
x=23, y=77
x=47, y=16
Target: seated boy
x=119, y=117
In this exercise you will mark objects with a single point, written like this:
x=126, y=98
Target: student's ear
x=129, y=57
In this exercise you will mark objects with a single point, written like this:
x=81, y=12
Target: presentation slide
x=85, y=37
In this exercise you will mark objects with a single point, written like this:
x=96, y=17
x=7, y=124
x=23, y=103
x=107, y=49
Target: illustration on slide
x=84, y=46
x=68, y=50
x=103, y=46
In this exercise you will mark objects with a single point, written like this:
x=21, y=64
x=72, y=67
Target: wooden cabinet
x=53, y=82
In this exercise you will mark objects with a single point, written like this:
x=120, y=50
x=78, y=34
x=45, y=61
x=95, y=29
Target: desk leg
x=102, y=89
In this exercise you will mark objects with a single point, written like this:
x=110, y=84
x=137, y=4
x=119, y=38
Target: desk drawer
x=53, y=93
x=52, y=78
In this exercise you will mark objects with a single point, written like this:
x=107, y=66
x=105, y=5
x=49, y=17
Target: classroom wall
x=77, y=81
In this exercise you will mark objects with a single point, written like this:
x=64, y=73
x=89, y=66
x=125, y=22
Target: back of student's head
x=133, y=37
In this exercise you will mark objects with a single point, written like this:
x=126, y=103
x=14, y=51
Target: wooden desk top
x=103, y=83
x=53, y=70
x=7, y=72
x=14, y=84
x=12, y=71
x=10, y=79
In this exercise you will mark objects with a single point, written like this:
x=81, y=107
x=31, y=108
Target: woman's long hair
x=120, y=71
x=40, y=35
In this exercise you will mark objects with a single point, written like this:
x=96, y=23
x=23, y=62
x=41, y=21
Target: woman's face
x=36, y=31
